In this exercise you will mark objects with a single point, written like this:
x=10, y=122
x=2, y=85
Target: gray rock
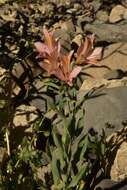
x=108, y=184
x=108, y=32
x=106, y=107
x=96, y=5
x=39, y=99
x=102, y=16
x=64, y=38
x=105, y=183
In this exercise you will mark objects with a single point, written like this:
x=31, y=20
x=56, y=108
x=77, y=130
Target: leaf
x=80, y=118
x=59, y=146
x=55, y=169
x=66, y=140
x=78, y=177
x=84, y=148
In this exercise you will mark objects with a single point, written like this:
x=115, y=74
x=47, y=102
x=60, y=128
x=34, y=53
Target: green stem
x=8, y=143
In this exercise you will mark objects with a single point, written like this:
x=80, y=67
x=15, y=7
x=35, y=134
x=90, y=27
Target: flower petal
x=42, y=48
x=75, y=72
x=96, y=54
x=48, y=38
x=82, y=51
x=59, y=74
x=85, y=49
x=65, y=62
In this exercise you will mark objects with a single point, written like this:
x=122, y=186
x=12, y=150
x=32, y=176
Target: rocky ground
x=21, y=25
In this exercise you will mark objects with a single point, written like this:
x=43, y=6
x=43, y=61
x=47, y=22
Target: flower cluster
x=60, y=65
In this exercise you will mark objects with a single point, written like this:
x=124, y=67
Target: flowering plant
x=60, y=65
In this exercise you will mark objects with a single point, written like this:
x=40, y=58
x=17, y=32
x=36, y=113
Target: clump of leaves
x=76, y=157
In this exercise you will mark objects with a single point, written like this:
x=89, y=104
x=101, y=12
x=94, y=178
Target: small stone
x=77, y=39
x=16, y=90
x=102, y=16
x=10, y=17
x=119, y=168
x=18, y=70
x=25, y=115
x=42, y=171
x=116, y=14
x=3, y=1
x=77, y=6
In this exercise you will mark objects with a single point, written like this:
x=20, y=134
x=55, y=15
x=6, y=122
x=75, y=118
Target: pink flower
x=86, y=53
x=49, y=51
x=60, y=65
x=65, y=71
x=51, y=45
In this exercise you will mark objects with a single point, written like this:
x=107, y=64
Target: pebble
x=116, y=14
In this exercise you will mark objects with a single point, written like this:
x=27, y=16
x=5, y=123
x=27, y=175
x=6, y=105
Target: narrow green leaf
x=84, y=147
x=78, y=177
x=55, y=169
x=58, y=144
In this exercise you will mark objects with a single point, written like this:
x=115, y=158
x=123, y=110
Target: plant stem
x=7, y=140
